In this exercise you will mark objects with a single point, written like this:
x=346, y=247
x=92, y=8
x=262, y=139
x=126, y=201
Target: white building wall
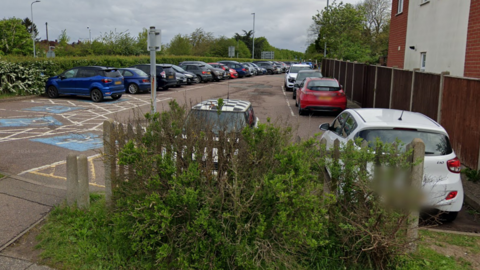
x=438, y=28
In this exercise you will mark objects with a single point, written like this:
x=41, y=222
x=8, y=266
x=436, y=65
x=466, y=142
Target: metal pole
x=46, y=26
x=325, y=46
x=89, y=34
x=253, y=41
x=33, y=30
x=153, y=67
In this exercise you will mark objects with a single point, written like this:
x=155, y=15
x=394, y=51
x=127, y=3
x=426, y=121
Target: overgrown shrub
x=262, y=206
x=21, y=79
x=472, y=175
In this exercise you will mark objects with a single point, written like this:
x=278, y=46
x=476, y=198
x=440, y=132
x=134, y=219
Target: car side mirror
x=296, y=85
x=324, y=127
x=62, y=77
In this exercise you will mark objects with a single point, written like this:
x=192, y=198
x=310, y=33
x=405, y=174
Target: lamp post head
x=38, y=1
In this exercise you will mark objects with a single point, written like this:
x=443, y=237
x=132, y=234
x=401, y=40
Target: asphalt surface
x=37, y=134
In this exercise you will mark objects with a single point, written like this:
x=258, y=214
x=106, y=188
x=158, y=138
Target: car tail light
x=106, y=80
x=204, y=72
x=454, y=165
x=243, y=69
x=145, y=80
x=451, y=195
x=163, y=74
x=340, y=93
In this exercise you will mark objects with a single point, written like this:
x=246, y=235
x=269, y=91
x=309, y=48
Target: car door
x=67, y=82
x=85, y=77
x=337, y=130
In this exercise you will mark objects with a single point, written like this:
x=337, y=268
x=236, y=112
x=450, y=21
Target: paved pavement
x=11, y=263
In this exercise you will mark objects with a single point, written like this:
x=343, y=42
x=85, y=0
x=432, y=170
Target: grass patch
x=1, y=175
x=78, y=239
x=7, y=95
x=445, y=239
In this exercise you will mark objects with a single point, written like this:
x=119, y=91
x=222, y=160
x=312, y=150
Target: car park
x=239, y=68
x=181, y=79
x=165, y=75
x=191, y=77
x=320, y=95
x=135, y=80
x=442, y=185
x=217, y=73
x=93, y=81
x=301, y=76
x=200, y=70
x=223, y=67
x=270, y=69
x=233, y=73
x=291, y=75
x=260, y=71
x=251, y=69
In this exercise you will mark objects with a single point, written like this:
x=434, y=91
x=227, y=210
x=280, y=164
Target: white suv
x=291, y=75
x=442, y=184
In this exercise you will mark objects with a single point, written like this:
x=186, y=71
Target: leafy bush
x=262, y=206
x=21, y=79
x=472, y=175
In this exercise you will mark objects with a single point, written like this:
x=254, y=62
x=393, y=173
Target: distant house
x=436, y=36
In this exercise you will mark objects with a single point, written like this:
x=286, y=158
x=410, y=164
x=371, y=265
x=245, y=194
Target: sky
x=283, y=22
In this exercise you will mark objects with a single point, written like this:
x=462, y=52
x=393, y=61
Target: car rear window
x=436, y=144
x=228, y=121
x=323, y=85
x=112, y=73
x=297, y=69
x=302, y=75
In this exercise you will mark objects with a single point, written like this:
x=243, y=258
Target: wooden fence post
x=375, y=86
x=72, y=180
x=108, y=145
x=440, y=95
x=346, y=74
x=333, y=69
x=413, y=87
x=353, y=78
x=416, y=179
x=391, y=88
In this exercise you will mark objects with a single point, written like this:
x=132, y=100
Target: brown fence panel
x=384, y=80
x=369, y=89
x=348, y=82
x=341, y=76
x=426, y=93
x=324, y=65
x=460, y=111
x=331, y=68
x=359, y=83
x=402, y=89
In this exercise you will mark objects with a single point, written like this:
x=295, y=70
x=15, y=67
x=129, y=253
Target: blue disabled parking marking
x=53, y=109
x=25, y=122
x=76, y=142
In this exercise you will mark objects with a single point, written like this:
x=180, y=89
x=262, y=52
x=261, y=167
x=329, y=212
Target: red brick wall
x=398, y=35
x=472, y=54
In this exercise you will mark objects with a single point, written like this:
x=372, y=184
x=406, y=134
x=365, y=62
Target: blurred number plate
x=118, y=82
x=170, y=77
x=208, y=73
x=324, y=98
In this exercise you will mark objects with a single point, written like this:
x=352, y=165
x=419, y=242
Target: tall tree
x=63, y=38
x=180, y=45
x=31, y=27
x=14, y=37
x=201, y=41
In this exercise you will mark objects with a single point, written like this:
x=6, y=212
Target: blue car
x=136, y=80
x=239, y=68
x=95, y=82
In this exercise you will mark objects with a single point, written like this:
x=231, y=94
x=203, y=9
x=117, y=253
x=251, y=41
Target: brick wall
x=398, y=35
x=472, y=54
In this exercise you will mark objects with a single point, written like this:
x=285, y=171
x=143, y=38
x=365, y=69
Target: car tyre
x=199, y=79
x=165, y=88
x=300, y=110
x=132, y=89
x=96, y=95
x=448, y=217
x=294, y=94
x=115, y=97
x=52, y=92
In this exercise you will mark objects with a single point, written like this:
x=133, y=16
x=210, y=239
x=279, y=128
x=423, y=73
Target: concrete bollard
x=83, y=199
x=72, y=180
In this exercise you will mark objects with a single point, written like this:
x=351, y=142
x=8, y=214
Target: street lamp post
x=89, y=33
x=253, y=42
x=325, y=47
x=33, y=30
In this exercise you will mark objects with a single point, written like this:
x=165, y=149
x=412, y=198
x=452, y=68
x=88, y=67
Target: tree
x=142, y=40
x=180, y=45
x=63, y=38
x=30, y=27
x=14, y=37
x=201, y=41
x=377, y=25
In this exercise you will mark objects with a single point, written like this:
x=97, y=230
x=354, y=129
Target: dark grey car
x=200, y=70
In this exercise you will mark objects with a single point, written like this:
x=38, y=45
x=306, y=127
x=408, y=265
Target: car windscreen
x=226, y=121
x=111, y=73
x=177, y=68
x=323, y=85
x=435, y=143
x=297, y=69
x=302, y=75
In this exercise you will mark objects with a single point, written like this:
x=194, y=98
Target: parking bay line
x=286, y=99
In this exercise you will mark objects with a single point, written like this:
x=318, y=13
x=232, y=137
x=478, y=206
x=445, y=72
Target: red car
x=320, y=95
x=233, y=74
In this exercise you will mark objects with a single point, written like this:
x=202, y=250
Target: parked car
x=165, y=75
x=442, y=183
x=223, y=67
x=233, y=74
x=181, y=79
x=135, y=80
x=239, y=68
x=320, y=95
x=94, y=81
x=291, y=75
x=301, y=76
x=200, y=70
x=282, y=66
x=191, y=77
x=260, y=71
x=251, y=69
x=217, y=73
x=267, y=66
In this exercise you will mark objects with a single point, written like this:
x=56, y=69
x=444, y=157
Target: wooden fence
x=453, y=102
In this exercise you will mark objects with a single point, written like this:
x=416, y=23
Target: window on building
x=400, y=6
x=423, y=61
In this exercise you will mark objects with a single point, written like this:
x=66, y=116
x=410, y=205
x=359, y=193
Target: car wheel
x=300, y=110
x=52, y=92
x=448, y=216
x=115, y=97
x=199, y=78
x=165, y=88
x=294, y=94
x=96, y=95
x=132, y=89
